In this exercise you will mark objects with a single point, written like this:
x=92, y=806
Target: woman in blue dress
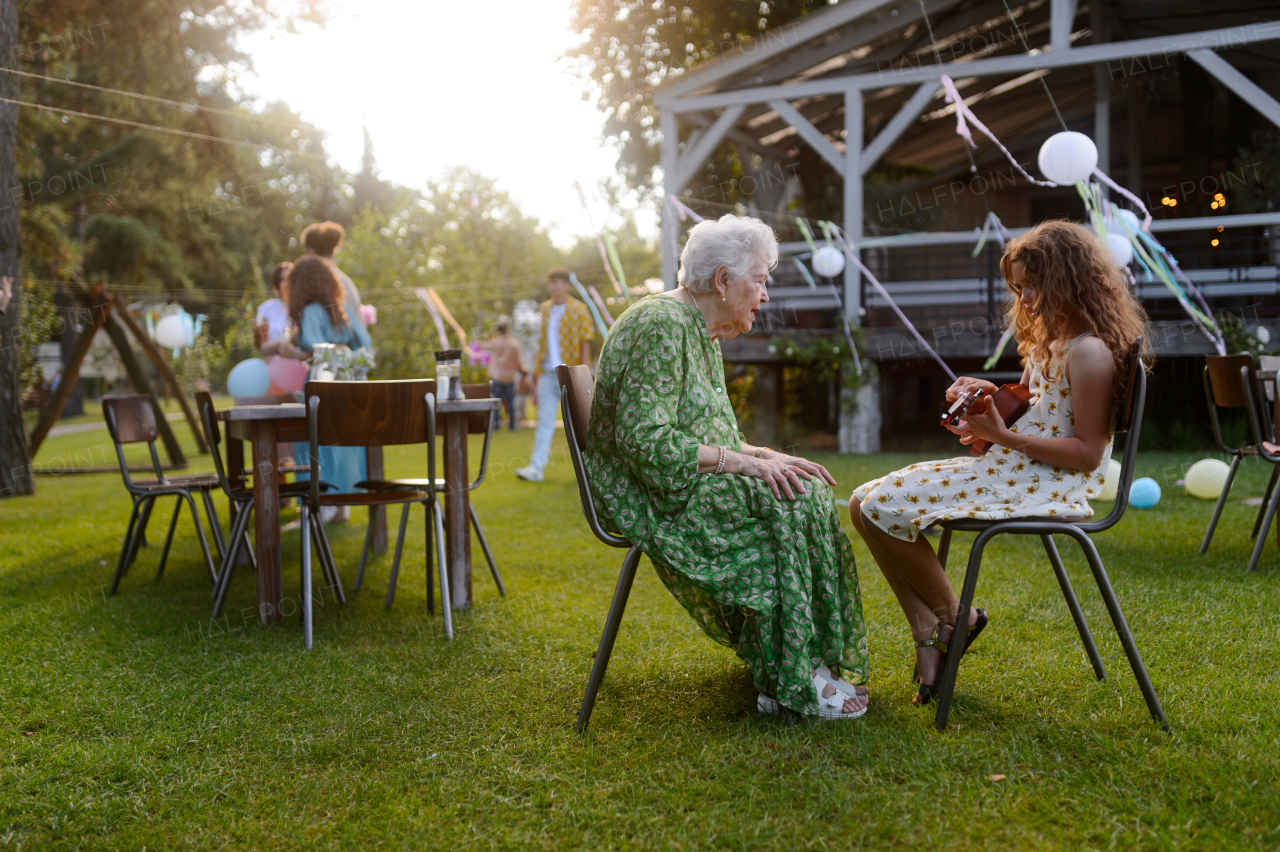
x=317, y=308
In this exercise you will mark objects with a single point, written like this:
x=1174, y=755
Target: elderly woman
x=746, y=538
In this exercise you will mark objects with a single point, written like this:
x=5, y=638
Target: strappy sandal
x=928, y=691
x=847, y=689
x=829, y=708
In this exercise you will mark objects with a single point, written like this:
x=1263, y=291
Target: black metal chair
x=1260, y=426
x=576, y=389
x=1130, y=419
x=373, y=414
x=242, y=499
x=131, y=419
x=476, y=424
x=1229, y=382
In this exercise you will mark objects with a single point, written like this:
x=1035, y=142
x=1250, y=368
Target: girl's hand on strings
x=988, y=426
x=967, y=383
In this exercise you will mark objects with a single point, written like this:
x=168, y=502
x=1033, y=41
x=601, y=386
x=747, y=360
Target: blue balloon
x=249, y=378
x=1144, y=493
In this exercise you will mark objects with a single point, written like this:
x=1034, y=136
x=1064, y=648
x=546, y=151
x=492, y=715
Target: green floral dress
x=772, y=579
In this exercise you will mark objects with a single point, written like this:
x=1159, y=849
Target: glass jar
x=449, y=374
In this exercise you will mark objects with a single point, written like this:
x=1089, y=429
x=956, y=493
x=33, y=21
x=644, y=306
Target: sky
x=440, y=84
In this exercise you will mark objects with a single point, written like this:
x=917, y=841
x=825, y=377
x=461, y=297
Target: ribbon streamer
x=423, y=296
x=604, y=255
x=682, y=211
x=963, y=111
x=1002, y=233
x=1146, y=214
x=595, y=313
x=435, y=297
x=804, y=270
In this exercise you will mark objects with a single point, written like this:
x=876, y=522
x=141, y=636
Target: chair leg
x=944, y=547
x=1122, y=627
x=239, y=530
x=488, y=554
x=446, y=596
x=168, y=539
x=204, y=544
x=214, y=523
x=364, y=556
x=306, y=576
x=1222, y=501
x=126, y=546
x=1266, y=498
x=395, y=563
x=1270, y=509
x=327, y=563
x=952, y=668
x=1077, y=614
x=431, y=590
x=140, y=532
x=611, y=624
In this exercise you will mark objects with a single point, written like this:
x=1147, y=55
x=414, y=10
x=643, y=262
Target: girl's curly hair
x=1078, y=285
x=312, y=279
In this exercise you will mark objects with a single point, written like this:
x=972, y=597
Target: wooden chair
x=131, y=419
x=372, y=414
x=241, y=499
x=576, y=390
x=1130, y=419
x=476, y=424
x=1229, y=382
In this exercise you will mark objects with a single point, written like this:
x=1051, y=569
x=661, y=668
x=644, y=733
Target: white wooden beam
x=1248, y=91
x=1061, y=17
x=695, y=155
x=809, y=133
x=853, y=118
x=670, y=219
x=1020, y=63
x=769, y=44
x=898, y=124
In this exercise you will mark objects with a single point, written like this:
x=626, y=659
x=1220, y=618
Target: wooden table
x=264, y=426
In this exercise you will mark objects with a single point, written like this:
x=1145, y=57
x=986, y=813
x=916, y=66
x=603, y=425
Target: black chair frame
x=1046, y=528
x=1271, y=501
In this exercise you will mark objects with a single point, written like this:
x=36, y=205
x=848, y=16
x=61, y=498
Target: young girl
x=1076, y=320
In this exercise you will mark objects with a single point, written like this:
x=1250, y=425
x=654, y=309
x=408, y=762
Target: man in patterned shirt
x=566, y=339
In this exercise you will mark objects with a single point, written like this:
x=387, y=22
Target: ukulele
x=1012, y=402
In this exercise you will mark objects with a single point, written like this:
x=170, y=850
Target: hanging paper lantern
x=171, y=333
x=828, y=261
x=1144, y=493
x=249, y=378
x=1111, y=483
x=1206, y=479
x=1130, y=218
x=1068, y=157
x=1121, y=249
x=288, y=374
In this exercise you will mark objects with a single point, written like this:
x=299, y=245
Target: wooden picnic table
x=263, y=426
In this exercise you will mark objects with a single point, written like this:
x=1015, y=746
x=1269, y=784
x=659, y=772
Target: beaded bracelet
x=759, y=451
x=720, y=462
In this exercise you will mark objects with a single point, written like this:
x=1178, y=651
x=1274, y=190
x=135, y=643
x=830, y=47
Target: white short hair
x=734, y=242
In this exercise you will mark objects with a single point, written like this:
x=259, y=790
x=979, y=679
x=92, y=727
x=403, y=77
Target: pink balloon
x=288, y=374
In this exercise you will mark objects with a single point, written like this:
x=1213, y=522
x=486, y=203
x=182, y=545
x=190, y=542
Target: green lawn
x=131, y=722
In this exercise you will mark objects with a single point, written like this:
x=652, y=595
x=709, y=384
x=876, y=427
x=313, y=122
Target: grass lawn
x=132, y=722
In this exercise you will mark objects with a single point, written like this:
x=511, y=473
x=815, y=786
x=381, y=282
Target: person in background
x=273, y=314
x=318, y=310
x=566, y=339
x=504, y=369
x=322, y=240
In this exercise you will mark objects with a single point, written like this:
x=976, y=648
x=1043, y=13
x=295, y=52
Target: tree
x=15, y=461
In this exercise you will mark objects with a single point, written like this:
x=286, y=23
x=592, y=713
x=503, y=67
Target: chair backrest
x=131, y=418
x=580, y=388
x=576, y=390
x=371, y=414
x=1223, y=372
x=1131, y=421
x=212, y=435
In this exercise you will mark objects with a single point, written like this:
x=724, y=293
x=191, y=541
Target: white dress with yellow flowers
x=999, y=485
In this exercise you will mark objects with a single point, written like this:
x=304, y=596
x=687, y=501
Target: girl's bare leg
x=919, y=614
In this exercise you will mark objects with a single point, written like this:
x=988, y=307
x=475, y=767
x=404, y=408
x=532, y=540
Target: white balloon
x=1110, y=482
x=1206, y=479
x=171, y=333
x=1130, y=218
x=1068, y=157
x=1121, y=249
x=828, y=261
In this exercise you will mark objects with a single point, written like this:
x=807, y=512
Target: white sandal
x=847, y=689
x=829, y=708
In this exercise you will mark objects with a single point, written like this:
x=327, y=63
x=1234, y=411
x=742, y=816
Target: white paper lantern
x=1206, y=479
x=1068, y=157
x=1111, y=482
x=1130, y=218
x=828, y=261
x=171, y=333
x=1121, y=249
